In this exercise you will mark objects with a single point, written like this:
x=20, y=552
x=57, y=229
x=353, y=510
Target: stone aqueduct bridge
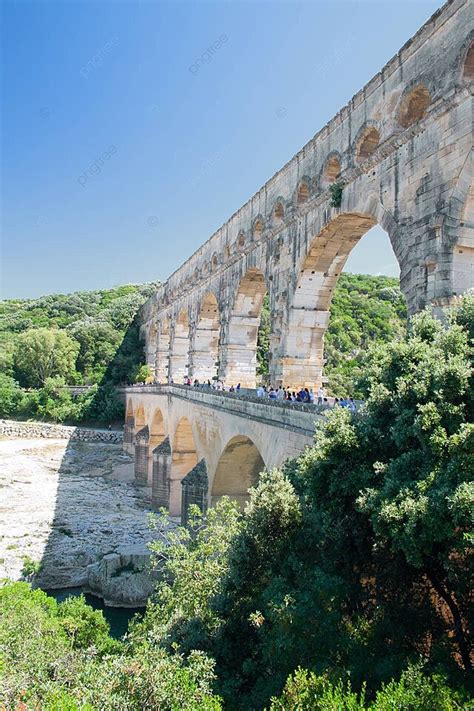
x=402, y=150
x=197, y=444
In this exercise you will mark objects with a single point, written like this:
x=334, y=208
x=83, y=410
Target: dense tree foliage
x=43, y=353
x=345, y=584
x=355, y=559
x=83, y=338
x=60, y=657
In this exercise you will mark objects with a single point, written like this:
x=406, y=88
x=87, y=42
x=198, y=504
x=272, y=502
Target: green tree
x=143, y=374
x=44, y=353
x=357, y=554
x=98, y=342
x=11, y=396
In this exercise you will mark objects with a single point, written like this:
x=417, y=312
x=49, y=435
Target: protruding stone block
x=195, y=487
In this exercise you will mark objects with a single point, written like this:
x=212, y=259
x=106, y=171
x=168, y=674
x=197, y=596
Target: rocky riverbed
x=72, y=507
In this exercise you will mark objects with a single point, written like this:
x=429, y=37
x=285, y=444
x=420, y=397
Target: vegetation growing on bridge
x=344, y=585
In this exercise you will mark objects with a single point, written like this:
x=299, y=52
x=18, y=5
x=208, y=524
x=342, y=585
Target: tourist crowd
x=282, y=394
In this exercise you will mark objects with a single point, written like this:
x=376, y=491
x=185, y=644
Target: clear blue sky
x=188, y=145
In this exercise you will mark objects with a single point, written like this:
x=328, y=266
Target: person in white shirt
x=321, y=395
x=260, y=391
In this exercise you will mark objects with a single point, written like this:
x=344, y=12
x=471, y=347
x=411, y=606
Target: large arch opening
x=237, y=471
x=368, y=308
x=180, y=348
x=163, y=351
x=183, y=459
x=206, y=341
x=241, y=346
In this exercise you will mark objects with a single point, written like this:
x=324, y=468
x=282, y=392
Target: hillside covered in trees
x=85, y=338
x=345, y=585
x=91, y=338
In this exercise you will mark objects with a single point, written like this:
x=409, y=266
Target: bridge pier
x=160, y=491
x=141, y=456
x=195, y=487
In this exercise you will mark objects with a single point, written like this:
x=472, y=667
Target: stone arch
x=413, y=105
x=278, y=212
x=183, y=459
x=180, y=347
x=239, y=354
x=237, y=470
x=214, y=262
x=206, y=339
x=163, y=351
x=157, y=429
x=366, y=142
x=258, y=228
x=139, y=419
x=302, y=193
x=308, y=317
x=468, y=65
x=157, y=433
x=331, y=169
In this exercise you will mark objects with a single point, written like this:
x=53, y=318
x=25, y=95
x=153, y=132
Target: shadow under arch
x=242, y=333
x=183, y=459
x=206, y=339
x=308, y=316
x=237, y=470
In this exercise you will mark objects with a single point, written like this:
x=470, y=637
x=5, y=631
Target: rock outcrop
x=70, y=509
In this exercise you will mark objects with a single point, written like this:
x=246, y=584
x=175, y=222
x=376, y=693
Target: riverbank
x=72, y=517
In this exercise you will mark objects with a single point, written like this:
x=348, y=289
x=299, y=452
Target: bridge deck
x=297, y=416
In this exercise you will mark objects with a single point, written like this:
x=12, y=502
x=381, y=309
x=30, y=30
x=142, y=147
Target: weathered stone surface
x=122, y=579
x=68, y=504
x=402, y=147
x=236, y=436
x=195, y=488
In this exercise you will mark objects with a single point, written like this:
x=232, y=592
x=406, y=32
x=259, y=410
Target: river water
x=117, y=617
